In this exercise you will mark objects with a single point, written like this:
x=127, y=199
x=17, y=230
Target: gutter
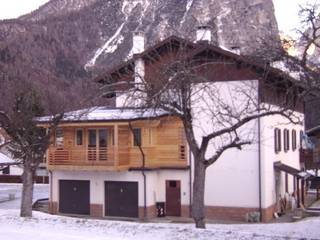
x=143, y=175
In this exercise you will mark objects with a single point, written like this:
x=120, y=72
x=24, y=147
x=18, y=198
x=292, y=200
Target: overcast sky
x=286, y=10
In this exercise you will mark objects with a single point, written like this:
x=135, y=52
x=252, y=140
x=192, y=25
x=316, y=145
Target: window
x=294, y=140
x=301, y=139
x=59, y=137
x=277, y=140
x=102, y=137
x=286, y=140
x=92, y=138
x=137, y=137
x=79, y=137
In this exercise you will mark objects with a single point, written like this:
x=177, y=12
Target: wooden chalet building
x=98, y=168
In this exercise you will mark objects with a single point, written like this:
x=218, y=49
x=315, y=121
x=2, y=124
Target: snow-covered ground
x=50, y=227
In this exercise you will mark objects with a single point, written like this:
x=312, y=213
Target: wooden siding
x=163, y=144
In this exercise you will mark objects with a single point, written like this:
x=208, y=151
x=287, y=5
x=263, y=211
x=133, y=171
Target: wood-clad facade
x=110, y=146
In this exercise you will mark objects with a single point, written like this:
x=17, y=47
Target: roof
x=195, y=49
x=5, y=159
x=99, y=114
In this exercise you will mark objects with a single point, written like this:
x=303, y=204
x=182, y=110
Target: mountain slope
x=65, y=43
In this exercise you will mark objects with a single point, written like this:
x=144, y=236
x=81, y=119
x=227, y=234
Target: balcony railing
x=105, y=156
x=310, y=158
x=113, y=156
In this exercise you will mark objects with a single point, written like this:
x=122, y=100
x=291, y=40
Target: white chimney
x=203, y=34
x=138, y=42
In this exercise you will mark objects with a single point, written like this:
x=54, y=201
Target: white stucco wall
x=268, y=156
x=233, y=180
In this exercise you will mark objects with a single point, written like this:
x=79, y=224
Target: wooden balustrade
x=165, y=155
x=85, y=157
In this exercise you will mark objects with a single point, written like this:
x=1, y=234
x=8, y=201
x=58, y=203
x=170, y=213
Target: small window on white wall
x=294, y=140
x=277, y=140
x=286, y=140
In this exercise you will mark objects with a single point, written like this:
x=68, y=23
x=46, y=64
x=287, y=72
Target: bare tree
x=28, y=142
x=216, y=113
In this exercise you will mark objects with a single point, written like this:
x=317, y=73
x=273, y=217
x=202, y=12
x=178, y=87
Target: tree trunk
x=198, y=213
x=27, y=192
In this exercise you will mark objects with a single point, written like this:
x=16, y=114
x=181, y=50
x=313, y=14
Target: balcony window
x=92, y=138
x=102, y=138
x=79, y=137
x=59, y=137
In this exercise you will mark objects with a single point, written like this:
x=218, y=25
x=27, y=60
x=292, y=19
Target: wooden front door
x=173, y=198
x=74, y=197
x=121, y=199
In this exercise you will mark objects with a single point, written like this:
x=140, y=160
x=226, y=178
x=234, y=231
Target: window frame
x=134, y=139
x=286, y=140
x=76, y=137
x=294, y=139
x=277, y=140
x=60, y=145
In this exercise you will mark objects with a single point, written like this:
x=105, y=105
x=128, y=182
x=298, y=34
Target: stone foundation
x=185, y=211
x=151, y=212
x=53, y=207
x=96, y=210
x=267, y=213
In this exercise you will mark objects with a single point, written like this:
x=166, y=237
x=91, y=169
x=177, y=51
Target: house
x=310, y=158
x=10, y=169
x=128, y=162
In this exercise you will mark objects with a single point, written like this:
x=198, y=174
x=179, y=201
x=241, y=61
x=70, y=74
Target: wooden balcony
x=111, y=147
x=115, y=158
x=310, y=158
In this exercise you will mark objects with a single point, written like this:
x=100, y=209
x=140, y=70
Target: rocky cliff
x=65, y=43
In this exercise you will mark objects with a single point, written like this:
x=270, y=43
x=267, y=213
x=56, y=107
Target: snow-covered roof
x=108, y=114
x=5, y=159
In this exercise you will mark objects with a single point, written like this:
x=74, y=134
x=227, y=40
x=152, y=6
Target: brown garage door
x=121, y=199
x=74, y=197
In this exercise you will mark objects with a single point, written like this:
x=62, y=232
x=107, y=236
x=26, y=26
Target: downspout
x=190, y=184
x=259, y=154
x=50, y=174
x=143, y=174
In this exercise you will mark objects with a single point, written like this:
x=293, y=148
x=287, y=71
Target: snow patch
x=225, y=11
x=188, y=6
x=109, y=47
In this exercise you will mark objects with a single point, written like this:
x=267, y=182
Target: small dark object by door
x=160, y=209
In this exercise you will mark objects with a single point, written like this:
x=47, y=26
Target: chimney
x=203, y=33
x=138, y=42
